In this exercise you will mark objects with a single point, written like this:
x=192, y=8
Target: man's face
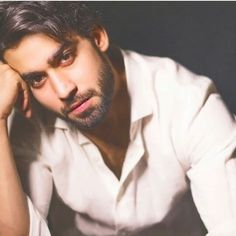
x=72, y=79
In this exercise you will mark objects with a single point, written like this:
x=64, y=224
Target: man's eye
x=66, y=58
x=36, y=81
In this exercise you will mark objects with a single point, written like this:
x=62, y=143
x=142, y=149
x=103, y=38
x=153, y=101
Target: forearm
x=14, y=216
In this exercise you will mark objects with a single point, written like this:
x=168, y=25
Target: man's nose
x=63, y=86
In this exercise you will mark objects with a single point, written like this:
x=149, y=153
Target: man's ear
x=100, y=38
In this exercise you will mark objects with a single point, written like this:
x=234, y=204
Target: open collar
x=139, y=87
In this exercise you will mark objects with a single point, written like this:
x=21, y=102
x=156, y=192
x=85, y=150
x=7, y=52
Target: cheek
x=47, y=99
x=86, y=69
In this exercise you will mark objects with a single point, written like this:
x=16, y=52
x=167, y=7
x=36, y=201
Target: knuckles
x=9, y=76
x=11, y=85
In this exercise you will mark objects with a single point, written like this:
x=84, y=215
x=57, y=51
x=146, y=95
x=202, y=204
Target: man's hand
x=14, y=217
x=13, y=90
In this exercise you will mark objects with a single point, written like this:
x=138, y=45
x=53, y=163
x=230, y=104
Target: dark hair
x=58, y=20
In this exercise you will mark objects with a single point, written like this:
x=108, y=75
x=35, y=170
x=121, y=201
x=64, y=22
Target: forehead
x=32, y=53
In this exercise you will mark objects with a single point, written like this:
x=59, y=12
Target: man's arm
x=14, y=217
x=211, y=148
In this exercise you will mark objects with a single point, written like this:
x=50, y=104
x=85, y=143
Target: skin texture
x=62, y=83
x=14, y=218
x=84, y=83
x=79, y=73
x=13, y=90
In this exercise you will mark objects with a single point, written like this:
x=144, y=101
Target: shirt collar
x=61, y=124
x=64, y=125
x=138, y=82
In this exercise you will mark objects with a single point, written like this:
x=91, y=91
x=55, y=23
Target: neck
x=112, y=135
x=116, y=124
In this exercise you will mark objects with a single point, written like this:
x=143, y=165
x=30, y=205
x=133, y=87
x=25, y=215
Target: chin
x=89, y=119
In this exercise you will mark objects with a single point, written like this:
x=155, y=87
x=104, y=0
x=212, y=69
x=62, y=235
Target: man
x=111, y=140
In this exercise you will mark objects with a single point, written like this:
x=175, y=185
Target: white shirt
x=181, y=133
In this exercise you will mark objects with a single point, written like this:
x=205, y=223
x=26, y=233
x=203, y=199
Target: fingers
x=23, y=100
x=13, y=91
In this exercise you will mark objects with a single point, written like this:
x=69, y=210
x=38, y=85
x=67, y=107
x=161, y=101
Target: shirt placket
x=125, y=205
x=124, y=209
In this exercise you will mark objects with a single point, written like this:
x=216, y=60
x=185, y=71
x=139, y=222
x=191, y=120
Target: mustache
x=78, y=99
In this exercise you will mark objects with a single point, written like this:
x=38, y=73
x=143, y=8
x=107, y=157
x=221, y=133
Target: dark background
x=199, y=35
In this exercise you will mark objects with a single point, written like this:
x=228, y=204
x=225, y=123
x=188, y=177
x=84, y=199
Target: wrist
x=3, y=123
x=4, y=115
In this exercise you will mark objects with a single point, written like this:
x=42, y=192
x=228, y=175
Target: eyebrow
x=29, y=76
x=53, y=60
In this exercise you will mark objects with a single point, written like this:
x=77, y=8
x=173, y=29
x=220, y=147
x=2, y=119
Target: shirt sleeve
x=38, y=226
x=210, y=146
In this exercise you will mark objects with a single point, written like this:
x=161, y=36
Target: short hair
x=58, y=20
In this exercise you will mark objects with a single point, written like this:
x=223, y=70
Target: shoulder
x=187, y=106
x=166, y=75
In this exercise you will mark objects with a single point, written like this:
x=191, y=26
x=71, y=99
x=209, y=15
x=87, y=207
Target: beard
x=93, y=115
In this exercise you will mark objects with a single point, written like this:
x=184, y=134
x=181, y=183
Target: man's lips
x=80, y=106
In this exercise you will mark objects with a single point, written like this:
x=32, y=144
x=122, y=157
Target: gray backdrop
x=199, y=35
